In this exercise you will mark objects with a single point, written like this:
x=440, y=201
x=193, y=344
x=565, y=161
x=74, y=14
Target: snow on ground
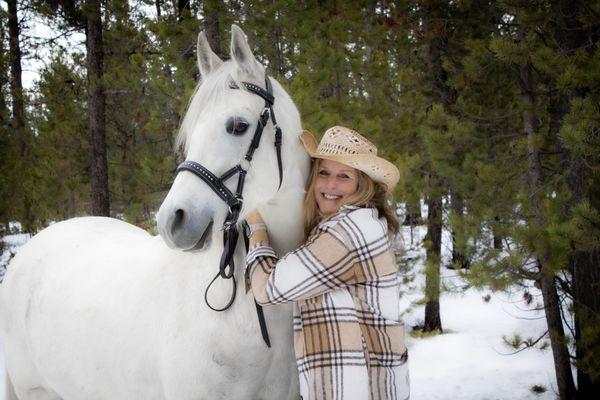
x=9, y=246
x=2, y=375
x=470, y=360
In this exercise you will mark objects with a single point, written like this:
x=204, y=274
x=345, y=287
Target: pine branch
x=487, y=119
x=528, y=344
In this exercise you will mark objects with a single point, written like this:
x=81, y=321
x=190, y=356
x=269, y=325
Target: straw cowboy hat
x=351, y=148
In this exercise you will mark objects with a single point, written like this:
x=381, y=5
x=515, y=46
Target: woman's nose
x=331, y=183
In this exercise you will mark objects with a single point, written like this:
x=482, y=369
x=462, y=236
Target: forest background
x=489, y=108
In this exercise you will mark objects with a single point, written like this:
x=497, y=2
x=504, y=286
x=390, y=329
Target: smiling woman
x=346, y=159
x=343, y=281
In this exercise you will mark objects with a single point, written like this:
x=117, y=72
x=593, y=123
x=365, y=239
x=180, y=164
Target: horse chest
x=225, y=359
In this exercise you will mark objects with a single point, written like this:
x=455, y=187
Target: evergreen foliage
x=63, y=146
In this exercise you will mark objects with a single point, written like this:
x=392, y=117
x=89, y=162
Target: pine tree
x=87, y=17
x=6, y=173
x=538, y=77
x=133, y=150
x=61, y=148
x=575, y=124
x=22, y=152
x=96, y=107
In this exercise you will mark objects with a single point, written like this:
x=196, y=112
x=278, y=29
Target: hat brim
x=377, y=168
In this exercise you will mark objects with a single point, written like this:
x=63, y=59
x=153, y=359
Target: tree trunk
x=3, y=79
x=586, y=286
x=184, y=15
x=183, y=10
x=413, y=213
x=443, y=94
x=278, y=68
x=22, y=166
x=158, y=8
x=459, y=259
x=212, y=28
x=432, y=265
x=586, y=294
x=16, y=85
x=96, y=105
x=5, y=137
x=558, y=341
x=497, y=237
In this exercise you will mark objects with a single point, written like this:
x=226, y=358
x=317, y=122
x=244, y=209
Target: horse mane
x=203, y=100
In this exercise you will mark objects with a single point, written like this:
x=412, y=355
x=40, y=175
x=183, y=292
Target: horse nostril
x=178, y=220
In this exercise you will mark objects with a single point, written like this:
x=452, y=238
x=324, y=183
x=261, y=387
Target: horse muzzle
x=184, y=230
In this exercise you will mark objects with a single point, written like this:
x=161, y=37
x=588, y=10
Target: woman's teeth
x=331, y=197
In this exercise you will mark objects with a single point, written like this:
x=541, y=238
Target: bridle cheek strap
x=267, y=96
x=278, y=135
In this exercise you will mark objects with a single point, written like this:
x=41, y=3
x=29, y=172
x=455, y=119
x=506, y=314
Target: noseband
x=235, y=201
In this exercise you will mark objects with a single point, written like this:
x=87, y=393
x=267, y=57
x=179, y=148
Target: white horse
x=95, y=308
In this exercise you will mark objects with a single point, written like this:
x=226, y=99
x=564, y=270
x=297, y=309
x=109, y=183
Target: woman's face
x=333, y=184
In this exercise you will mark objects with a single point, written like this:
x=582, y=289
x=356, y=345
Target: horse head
x=216, y=133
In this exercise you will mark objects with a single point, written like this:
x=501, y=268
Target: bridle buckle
x=264, y=116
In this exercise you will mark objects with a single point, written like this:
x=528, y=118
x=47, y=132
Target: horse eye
x=236, y=126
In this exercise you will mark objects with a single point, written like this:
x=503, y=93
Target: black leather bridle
x=235, y=201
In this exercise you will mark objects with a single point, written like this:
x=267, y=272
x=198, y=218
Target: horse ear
x=241, y=53
x=207, y=59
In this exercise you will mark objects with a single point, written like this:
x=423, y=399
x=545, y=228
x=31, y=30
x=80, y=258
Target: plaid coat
x=348, y=335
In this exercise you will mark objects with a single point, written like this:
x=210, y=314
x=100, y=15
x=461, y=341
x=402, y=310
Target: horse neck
x=283, y=217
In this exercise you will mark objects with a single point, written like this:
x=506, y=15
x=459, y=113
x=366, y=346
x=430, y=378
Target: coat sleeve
x=320, y=265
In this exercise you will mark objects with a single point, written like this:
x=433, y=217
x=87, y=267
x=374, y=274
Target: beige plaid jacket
x=348, y=335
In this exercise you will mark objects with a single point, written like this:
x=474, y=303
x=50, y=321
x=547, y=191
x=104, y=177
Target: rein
x=235, y=201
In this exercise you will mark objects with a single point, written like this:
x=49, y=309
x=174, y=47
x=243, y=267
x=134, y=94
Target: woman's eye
x=236, y=126
x=344, y=177
x=323, y=173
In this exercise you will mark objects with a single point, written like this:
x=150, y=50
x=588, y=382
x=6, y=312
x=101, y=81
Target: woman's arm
x=321, y=265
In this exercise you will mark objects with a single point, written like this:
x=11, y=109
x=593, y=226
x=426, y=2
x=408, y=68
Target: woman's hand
x=254, y=217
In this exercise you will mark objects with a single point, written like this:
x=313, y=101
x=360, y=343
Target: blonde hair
x=369, y=194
